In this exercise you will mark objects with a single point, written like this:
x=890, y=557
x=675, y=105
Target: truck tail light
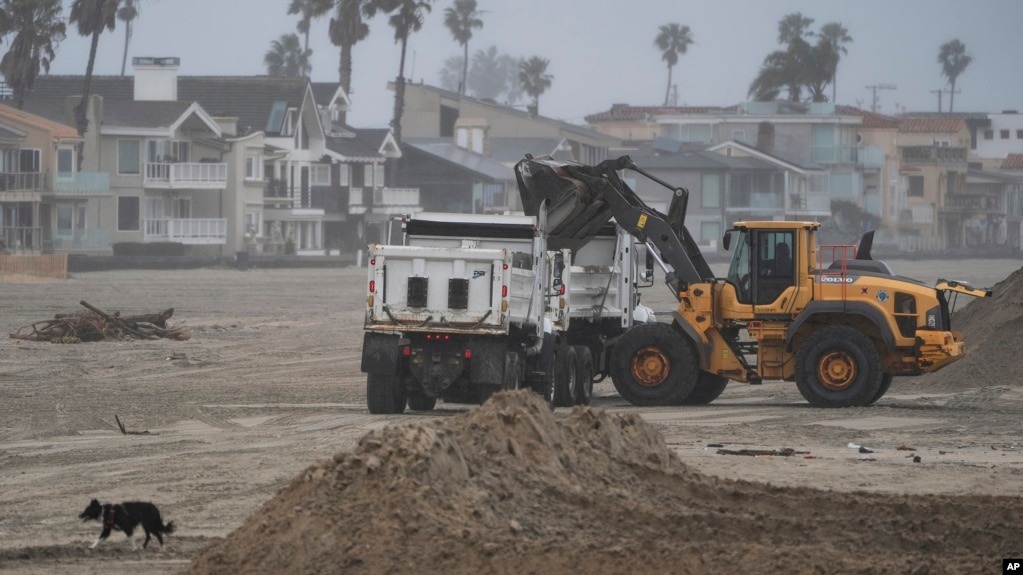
x=468, y=354
x=504, y=291
x=373, y=262
x=504, y=266
x=372, y=286
x=406, y=351
x=370, y=300
x=561, y=290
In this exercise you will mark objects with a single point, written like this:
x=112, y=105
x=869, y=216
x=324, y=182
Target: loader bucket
x=575, y=212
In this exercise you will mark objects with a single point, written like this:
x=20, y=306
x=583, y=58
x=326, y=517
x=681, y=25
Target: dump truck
x=469, y=304
x=830, y=318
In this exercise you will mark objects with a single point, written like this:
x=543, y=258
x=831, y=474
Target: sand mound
x=508, y=488
x=992, y=328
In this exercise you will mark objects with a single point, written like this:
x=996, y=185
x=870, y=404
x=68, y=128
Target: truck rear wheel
x=583, y=375
x=565, y=377
x=838, y=366
x=708, y=387
x=385, y=394
x=652, y=364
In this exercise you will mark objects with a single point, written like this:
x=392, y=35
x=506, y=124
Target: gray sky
x=602, y=52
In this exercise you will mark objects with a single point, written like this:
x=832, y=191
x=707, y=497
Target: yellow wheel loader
x=836, y=322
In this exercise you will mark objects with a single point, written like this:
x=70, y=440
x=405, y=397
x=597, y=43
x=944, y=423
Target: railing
x=355, y=197
x=22, y=182
x=386, y=197
x=186, y=231
x=872, y=157
x=81, y=183
x=185, y=175
x=921, y=243
x=835, y=154
x=972, y=203
x=21, y=238
x=94, y=240
x=933, y=154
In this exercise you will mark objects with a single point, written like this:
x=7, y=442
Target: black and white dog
x=126, y=517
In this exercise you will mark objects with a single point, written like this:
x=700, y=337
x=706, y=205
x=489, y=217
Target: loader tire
x=838, y=366
x=583, y=375
x=652, y=364
x=886, y=383
x=565, y=377
x=708, y=387
x=385, y=394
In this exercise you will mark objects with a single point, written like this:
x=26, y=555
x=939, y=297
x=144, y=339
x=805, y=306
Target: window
x=940, y=143
x=167, y=151
x=128, y=163
x=65, y=161
x=916, y=187
x=253, y=223
x=343, y=177
x=65, y=215
x=373, y=176
x=710, y=232
x=253, y=167
x=739, y=135
x=710, y=191
x=1019, y=134
x=128, y=213
x=989, y=134
x=319, y=175
x=1004, y=134
x=28, y=161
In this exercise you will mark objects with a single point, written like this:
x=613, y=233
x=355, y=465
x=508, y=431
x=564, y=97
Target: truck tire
x=583, y=375
x=565, y=377
x=420, y=402
x=838, y=366
x=652, y=364
x=708, y=387
x=385, y=394
x=886, y=383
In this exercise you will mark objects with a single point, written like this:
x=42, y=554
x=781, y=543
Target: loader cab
x=763, y=263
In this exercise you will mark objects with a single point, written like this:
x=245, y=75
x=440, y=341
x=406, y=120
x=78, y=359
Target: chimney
x=156, y=79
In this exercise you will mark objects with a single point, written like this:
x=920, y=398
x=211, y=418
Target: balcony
x=756, y=201
x=81, y=184
x=95, y=240
x=187, y=176
x=964, y=204
x=275, y=194
x=186, y=231
x=21, y=238
x=812, y=203
x=870, y=157
x=395, y=200
x=21, y=187
x=933, y=155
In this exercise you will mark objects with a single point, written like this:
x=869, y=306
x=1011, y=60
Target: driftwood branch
x=96, y=325
x=130, y=432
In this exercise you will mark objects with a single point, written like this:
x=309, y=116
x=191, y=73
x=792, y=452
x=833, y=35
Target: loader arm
x=581, y=199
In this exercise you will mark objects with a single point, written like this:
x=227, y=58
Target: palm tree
x=38, y=26
x=347, y=28
x=535, y=80
x=672, y=40
x=309, y=10
x=91, y=18
x=954, y=60
x=286, y=58
x=836, y=36
x=460, y=20
x=127, y=14
x=406, y=18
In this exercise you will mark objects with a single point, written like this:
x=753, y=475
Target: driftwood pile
x=97, y=325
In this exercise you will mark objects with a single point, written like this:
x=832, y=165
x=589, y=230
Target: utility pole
x=873, y=89
x=941, y=91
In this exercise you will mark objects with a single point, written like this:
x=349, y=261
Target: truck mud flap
x=487, y=363
x=380, y=353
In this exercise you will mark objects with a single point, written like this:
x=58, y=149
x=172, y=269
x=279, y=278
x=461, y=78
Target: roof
x=56, y=129
x=932, y=125
x=365, y=146
x=249, y=98
x=871, y=120
x=1013, y=162
x=698, y=160
x=625, y=112
x=446, y=151
x=132, y=114
x=511, y=150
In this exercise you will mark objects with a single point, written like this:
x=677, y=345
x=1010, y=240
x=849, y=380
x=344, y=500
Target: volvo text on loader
x=836, y=322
